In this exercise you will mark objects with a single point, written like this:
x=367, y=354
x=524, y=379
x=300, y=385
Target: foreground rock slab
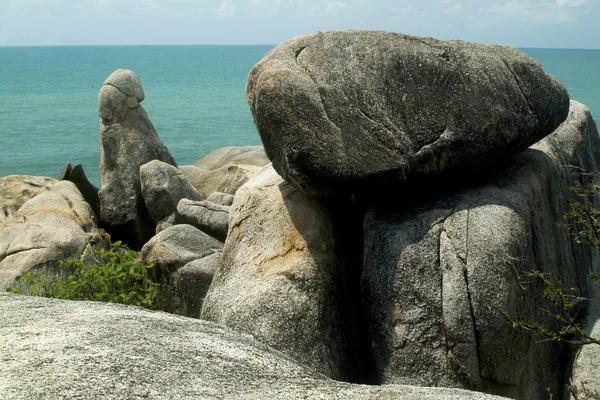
x=128, y=140
x=352, y=111
x=62, y=349
x=440, y=273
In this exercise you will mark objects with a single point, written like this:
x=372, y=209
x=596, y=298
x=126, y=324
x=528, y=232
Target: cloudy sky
x=521, y=23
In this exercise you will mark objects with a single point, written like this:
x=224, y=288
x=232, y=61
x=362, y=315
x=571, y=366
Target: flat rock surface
x=352, y=111
x=55, y=349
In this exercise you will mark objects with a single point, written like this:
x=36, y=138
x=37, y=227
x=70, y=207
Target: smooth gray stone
x=173, y=248
x=163, y=186
x=190, y=284
x=221, y=198
x=208, y=217
x=368, y=111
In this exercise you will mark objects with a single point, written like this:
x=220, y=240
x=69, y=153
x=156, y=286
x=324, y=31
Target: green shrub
x=113, y=276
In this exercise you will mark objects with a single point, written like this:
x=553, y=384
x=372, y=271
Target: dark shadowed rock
x=88, y=190
x=247, y=155
x=50, y=227
x=56, y=349
x=190, y=284
x=208, y=217
x=163, y=186
x=284, y=278
x=128, y=140
x=352, y=111
x=439, y=272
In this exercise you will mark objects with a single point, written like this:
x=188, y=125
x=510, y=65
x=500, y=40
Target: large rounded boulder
x=350, y=111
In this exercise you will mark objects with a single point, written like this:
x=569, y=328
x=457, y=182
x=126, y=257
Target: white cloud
x=336, y=5
x=570, y=3
x=226, y=9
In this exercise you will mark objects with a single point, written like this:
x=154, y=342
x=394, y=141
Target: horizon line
x=243, y=44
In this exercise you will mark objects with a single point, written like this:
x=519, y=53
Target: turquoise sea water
x=194, y=97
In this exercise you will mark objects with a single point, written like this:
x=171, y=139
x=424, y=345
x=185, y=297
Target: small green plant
x=111, y=275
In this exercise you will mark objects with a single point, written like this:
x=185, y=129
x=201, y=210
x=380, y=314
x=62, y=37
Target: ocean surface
x=194, y=97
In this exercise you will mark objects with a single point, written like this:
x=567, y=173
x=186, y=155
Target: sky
x=519, y=23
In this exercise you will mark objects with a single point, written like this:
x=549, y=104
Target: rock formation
x=16, y=190
x=128, y=140
x=283, y=278
x=363, y=111
x=54, y=225
x=440, y=273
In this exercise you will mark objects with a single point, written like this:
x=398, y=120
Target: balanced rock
x=163, y=186
x=284, y=278
x=207, y=216
x=54, y=225
x=442, y=275
x=128, y=140
x=56, y=349
x=352, y=111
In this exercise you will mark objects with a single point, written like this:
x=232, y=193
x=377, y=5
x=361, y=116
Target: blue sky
x=520, y=23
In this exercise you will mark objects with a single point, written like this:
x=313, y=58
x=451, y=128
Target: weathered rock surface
x=586, y=367
x=128, y=140
x=87, y=189
x=208, y=217
x=176, y=246
x=190, y=284
x=50, y=227
x=439, y=272
x=221, y=198
x=246, y=155
x=226, y=179
x=55, y=349
x=283, y=278
x=16, y=190
x=163, y=186
x=352, y=111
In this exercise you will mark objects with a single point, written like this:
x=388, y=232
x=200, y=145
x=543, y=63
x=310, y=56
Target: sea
x=194, y=97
